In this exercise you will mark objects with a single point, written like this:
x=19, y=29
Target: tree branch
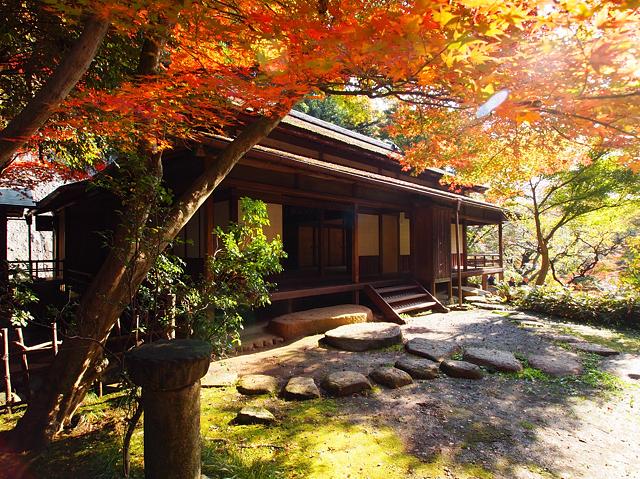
x=54, y=91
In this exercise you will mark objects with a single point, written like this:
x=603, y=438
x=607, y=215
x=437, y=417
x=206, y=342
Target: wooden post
x=355, y=252
x=55, y=336
x=501, y=275
x=459, y=203
x=463, y=239
x=4, y=266
x=25, y=364
x=7, y=369
x=321, y=243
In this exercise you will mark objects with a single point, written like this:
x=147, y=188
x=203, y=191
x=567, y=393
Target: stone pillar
x=169, y=373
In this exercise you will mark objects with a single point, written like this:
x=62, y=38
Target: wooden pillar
x=321, y=243
x=463, y=239
x=458, y=253
x=4, y=271
x=355, y=249
x=500, y=259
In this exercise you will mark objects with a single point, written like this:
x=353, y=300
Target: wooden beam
x=292, y=192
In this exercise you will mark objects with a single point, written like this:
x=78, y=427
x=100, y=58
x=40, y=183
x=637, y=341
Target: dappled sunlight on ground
x=503, y=426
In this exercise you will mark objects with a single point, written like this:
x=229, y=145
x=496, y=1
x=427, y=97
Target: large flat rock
x=319, y=320
x=431, y=349
x=461, y=369
x=418, y=368
x=556, y=367
x=594, y=349
x=254, y=415
x=624, y=366
x=301, y=388
x=504, y=361
x=391, y=377
x=344, y=383
x=256, y=384
x=364, y=336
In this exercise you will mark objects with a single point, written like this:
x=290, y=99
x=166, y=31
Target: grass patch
x=528, y=425
x=93, y=449
x=592, y=379
x=308, y=440
x=486, y=433
x=623, y=341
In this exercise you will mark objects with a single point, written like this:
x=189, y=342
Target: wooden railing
x=39, y=268
x=476, y=260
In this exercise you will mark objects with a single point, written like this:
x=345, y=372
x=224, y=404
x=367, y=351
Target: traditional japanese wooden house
x=351, y=220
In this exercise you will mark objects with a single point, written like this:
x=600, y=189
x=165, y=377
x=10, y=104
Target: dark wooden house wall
x=432, y=243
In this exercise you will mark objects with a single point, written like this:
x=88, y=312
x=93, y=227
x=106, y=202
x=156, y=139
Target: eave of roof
x=335, y=132
x=20, y=198
x=370, y=177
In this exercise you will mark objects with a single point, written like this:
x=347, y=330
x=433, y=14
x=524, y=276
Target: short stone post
x=169, y=373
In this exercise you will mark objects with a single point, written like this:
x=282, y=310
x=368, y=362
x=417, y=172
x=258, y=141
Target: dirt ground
x=516, y=427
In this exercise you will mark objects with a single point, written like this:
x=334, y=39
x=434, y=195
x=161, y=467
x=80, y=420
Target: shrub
x=622, y=311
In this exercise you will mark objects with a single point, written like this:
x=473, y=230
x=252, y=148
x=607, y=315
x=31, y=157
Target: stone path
x=436, y=412
x=426, y=358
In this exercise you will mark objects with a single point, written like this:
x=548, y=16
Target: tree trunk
x=54, y=91
x=543, y=250
x=78, y=363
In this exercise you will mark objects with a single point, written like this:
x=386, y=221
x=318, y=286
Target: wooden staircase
x=401, y=296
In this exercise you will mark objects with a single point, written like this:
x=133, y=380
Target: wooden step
x=404, y=297
x=414, y=306
x=409, y=296
x=393, y=289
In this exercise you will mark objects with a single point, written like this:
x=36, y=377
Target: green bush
x=622, y=311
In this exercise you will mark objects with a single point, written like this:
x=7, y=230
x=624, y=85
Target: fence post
x=7, y=369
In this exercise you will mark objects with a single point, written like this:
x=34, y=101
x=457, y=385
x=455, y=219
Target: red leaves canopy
x=571, y=68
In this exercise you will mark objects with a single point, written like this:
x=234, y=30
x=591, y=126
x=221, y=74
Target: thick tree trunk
x=545, y=264
x=56, y=89
x=78, y=363
x=543, y=249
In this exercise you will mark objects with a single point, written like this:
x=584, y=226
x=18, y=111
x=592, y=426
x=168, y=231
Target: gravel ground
x=515, y=427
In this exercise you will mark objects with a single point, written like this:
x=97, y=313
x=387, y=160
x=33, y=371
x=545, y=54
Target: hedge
x=606, y=309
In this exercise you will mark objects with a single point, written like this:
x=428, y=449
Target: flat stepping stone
x=319, y=320
x=391, y=377
x=530, y=323
x=254, y=415
x=364, y=336
x=436, y=351
x=469, y=291
x=219, y=380
x=419, y=368
x=256, y=384
x=594, y=349
x=461, y=369
x=504, y=361
x=344, y=383
x=301, y=388
x=556, y=367
x=490, y=306
x=624, y=366
x=475, y=299
x=524, y=316
x=564, y=338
